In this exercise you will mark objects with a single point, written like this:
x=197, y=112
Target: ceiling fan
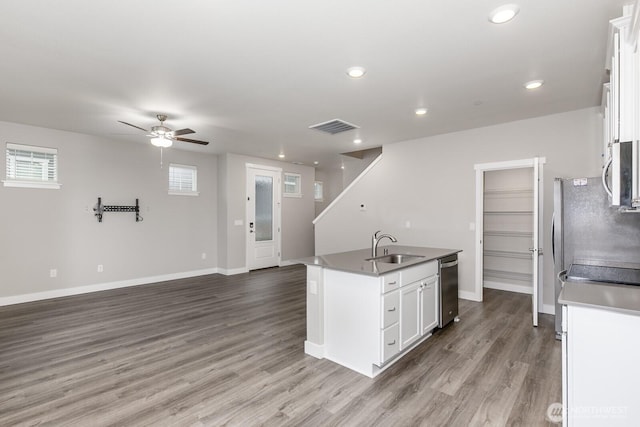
x=162, y=136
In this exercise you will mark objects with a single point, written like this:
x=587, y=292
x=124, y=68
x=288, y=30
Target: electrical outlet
x=407, y=224
x=100, y=268
x=204, y=255
x=53, y=272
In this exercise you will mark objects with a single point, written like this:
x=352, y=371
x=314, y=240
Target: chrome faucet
x=375, y=239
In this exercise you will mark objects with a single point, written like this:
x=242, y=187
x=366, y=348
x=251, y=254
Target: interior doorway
x=508, y=223
x=263, y=216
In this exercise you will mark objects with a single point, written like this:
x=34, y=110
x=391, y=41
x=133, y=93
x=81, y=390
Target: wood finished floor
x=228, y=350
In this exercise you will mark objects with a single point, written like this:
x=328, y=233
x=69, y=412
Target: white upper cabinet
x=621, y=109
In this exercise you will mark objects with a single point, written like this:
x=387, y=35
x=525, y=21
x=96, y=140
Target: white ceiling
x=251, y=76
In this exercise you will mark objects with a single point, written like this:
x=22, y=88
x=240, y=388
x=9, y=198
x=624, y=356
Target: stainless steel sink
x=395, y=258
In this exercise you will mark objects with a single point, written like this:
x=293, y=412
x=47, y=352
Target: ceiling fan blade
x=129, y=124
x=195, y=141
x=183, y=132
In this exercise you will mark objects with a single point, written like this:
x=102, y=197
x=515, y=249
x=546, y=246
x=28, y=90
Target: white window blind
x=183, y=180
x=30, y=166
x=292, y=184
x=318, y=191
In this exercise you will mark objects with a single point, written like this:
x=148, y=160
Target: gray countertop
x=620, y=298
x=356, y=261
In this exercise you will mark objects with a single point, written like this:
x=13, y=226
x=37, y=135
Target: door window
x=264, y=208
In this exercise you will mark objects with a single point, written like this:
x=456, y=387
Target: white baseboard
x=468, y=295
x=233, y=271
x=78, y=290
x=288, y=262
x=313, y=349
x=508, y=287
x=548, y=309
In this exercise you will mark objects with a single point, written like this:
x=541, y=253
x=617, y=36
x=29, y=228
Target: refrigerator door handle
x=604, y=177
x=553, y=237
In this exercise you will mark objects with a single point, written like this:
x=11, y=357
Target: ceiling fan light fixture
x=160, y=141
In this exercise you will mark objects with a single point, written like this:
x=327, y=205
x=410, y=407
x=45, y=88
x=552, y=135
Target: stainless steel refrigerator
x=587, y=231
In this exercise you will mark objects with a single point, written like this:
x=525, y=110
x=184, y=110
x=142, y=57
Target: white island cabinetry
x=371, y=321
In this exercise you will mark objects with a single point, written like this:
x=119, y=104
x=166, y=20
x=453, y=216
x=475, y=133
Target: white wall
x=51, y=229
x=354, y=166
x=336, y=180
x=431, y=183
x=297, y=213
x=332, y=187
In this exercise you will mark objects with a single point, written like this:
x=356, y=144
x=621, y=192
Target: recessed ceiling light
x=356, y=72
x=316, y=162
x=421, y=111
x=281, y=156
x=357, y=141
x=534, y=84
x=504, y=13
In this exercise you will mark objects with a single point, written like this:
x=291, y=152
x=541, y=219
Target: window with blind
x=292, y=184
x=32, y=167
x=318, y=191
x=183, y=180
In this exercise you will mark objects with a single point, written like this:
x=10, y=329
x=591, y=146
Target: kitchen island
x=366, y=312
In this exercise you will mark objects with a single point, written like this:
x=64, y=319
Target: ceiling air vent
x=334, y=126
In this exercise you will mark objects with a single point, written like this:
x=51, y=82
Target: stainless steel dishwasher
x=448, y=289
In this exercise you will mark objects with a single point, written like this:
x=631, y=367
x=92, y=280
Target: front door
x=263, y=217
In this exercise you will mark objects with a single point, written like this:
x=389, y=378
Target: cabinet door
x=602, y=367
x=409, y=314
x=429, y=305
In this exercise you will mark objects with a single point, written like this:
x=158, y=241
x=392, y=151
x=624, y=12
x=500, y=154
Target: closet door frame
x=537, y=164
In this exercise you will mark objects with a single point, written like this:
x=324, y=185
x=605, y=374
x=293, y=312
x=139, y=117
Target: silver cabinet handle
x=392, y=309
x=392, y=283
x=449, y=264
x=391, y=343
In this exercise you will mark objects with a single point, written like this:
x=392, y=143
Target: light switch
x=238, y=222
x=313, y=287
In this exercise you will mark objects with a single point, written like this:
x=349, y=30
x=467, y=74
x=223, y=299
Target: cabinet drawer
x=390, y=282
x=390, y=342
x=390, y=308
x=418, y=272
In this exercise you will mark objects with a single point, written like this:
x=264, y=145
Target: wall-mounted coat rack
x=99, y=209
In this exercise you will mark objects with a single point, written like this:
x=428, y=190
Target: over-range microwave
x=620, y=176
